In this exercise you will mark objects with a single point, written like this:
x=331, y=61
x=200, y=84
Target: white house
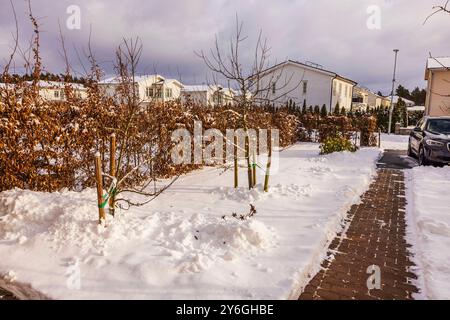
x=364, y=98
x=150, y=88
x=305, y=84
x=438, y=89
x=208, y=95
x=55, y=90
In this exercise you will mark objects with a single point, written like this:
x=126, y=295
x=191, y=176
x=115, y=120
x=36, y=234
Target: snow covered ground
x=179, y=246
x=428, y=211
x=428, y=217
x=394, y=142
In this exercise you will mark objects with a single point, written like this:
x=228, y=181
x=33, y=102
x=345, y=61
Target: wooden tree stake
x=98, y=177
x=247, y=157
x=269, y=163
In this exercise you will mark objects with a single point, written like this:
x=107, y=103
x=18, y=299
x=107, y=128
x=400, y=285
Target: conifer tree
x=323, y=111
x=317, y=109
x=337, y=109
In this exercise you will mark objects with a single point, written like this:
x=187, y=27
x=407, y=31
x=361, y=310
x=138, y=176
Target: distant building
x=56, y=90
x=208, y=95
x=437, y=74
x=305, y=84
x=407, y=102
x=363, y=98
x=150, y=88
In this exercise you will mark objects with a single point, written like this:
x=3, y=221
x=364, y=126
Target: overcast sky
x=332, y=33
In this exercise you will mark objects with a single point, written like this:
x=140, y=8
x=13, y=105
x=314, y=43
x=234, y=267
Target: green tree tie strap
x=110, y=194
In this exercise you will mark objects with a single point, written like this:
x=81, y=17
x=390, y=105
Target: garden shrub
x=336, y=144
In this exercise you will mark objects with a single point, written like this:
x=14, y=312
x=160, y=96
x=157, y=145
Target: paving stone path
x=375, y=236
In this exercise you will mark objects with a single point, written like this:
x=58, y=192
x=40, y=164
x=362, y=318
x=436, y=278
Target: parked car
x=430, y=141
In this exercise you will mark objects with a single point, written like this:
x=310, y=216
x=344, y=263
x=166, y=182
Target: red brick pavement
x=375, y=236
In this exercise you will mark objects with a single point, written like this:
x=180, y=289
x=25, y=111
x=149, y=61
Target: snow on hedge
x=429, y=228
x=186, y=244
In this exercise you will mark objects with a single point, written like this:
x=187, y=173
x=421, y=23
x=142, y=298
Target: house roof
x=196, y=88
x=57, y=84
x=313, y=68
x=137, y=79
x=174, y=81
x=437, y=63
x=396, y=98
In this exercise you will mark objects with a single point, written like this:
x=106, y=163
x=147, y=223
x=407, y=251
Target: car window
x=439, y=126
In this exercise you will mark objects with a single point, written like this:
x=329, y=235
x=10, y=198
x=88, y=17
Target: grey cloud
x=331, y=33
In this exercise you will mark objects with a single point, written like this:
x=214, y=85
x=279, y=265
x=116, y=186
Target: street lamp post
x=391, y=109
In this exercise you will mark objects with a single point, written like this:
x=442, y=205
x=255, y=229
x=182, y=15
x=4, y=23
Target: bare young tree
x=128, y=56
x=250, y=79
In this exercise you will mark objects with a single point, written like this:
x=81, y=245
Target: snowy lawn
x=429, y=228
x=179, y=246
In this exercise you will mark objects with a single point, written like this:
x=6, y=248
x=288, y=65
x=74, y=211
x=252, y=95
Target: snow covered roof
x=437, y=63
x=145, y=78
x=199, y=88
x=406, y=101
x=310, y=67
x=57, y=84
x=174, y=81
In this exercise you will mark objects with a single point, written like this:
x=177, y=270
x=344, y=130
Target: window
x=334, y=88
x=218, y=98
x=56, y=94
x=305, y=87
x=346, y=91
x=168, y=93
x=340, y=89
x=439, y=126
x=274, y=88
x=149, y=92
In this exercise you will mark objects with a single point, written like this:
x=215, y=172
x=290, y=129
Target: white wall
x=198, y=97
x=438, y=90
x=48, y=94
x=342, y=93
x=290, y=85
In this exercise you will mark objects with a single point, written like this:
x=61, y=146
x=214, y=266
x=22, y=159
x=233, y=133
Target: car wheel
x=423, y=161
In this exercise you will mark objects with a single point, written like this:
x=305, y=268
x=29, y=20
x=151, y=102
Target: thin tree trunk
x=236, y=166
x=112, y=172
x=269, y=164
